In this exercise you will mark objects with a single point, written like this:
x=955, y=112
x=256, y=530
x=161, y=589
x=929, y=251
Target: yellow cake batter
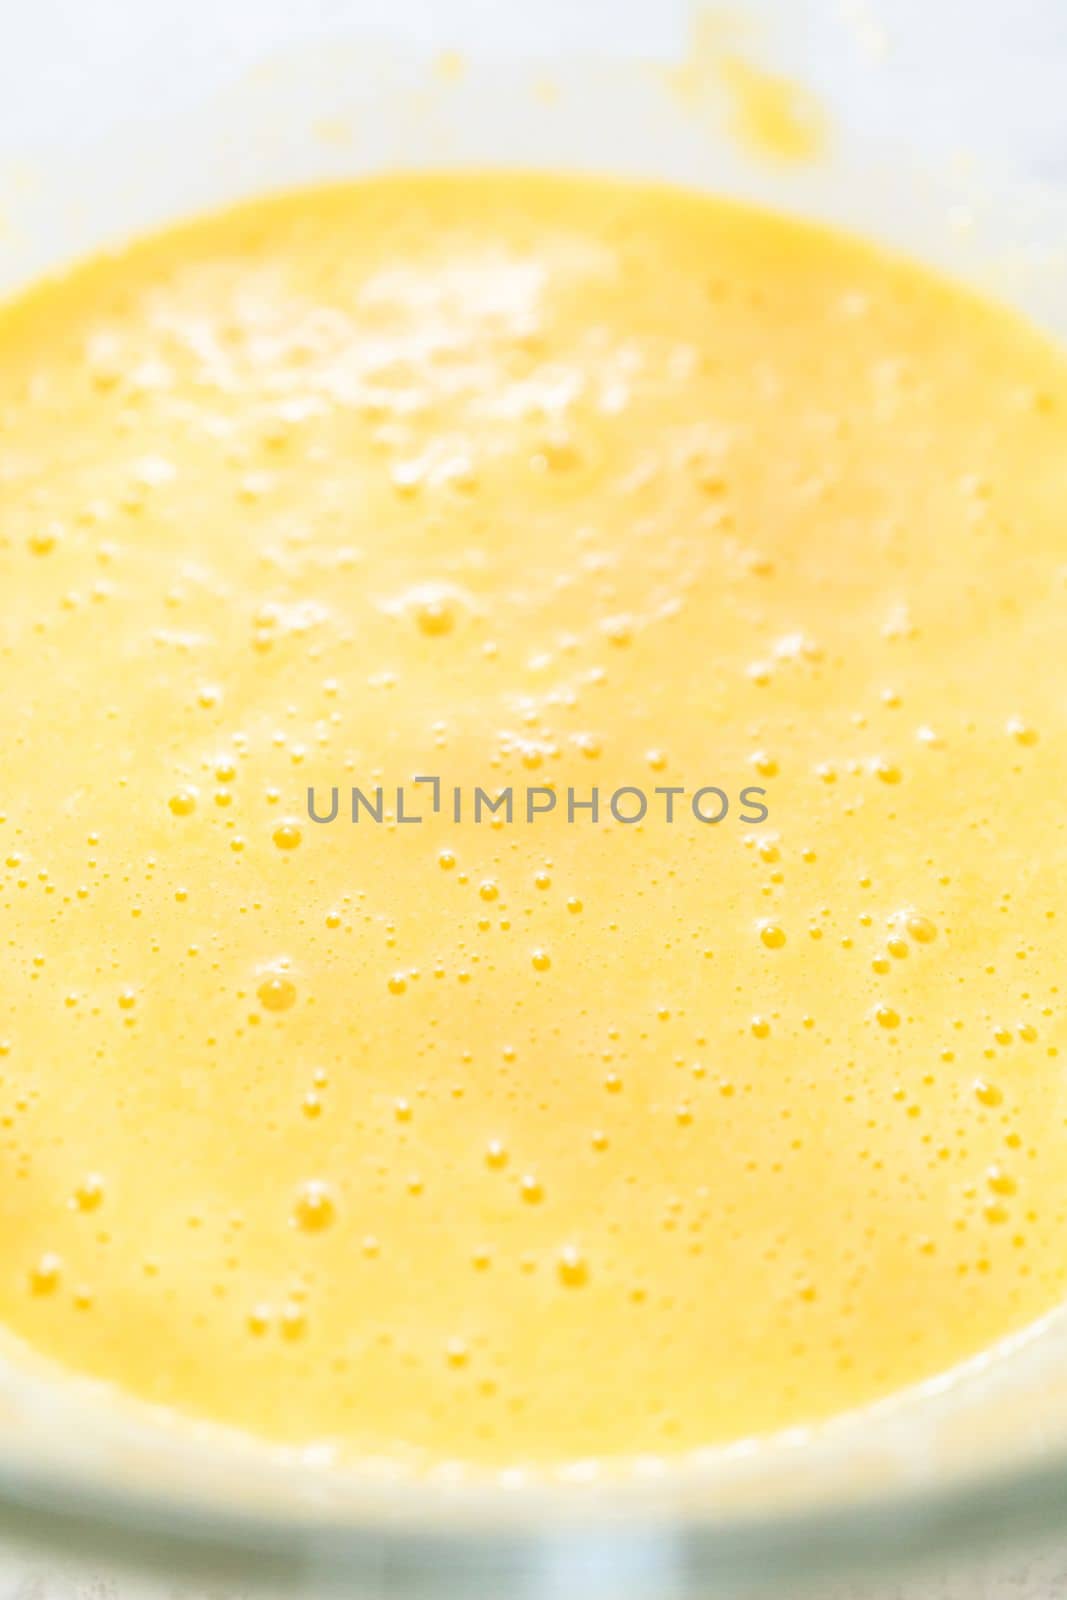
x=527, y=1141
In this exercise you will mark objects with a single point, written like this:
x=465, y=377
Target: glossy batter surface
x=525, y=1142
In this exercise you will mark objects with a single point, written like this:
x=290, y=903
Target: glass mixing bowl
x=947, y=129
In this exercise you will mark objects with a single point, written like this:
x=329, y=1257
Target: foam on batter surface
x=527, y=1141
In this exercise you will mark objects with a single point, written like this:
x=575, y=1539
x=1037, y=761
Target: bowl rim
x=411, y=1559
